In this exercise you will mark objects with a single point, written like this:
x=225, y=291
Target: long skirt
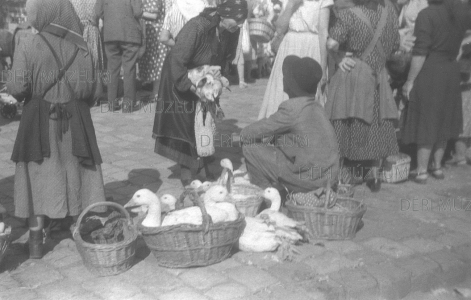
x=302, y=44
x=359, y=140
x=174, y=124
x=435, y=112
x=58, y=186
x=466, y=94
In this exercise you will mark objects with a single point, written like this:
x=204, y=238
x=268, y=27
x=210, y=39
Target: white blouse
x=306, y=17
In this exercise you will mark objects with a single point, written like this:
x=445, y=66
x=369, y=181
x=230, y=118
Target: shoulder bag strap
x=61, y=69
x=377, y=33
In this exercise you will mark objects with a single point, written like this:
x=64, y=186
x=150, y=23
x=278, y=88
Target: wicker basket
x=182, y=246
x=249, y=205
x=5, y=240
x=345, y=190
x=107, y=259
x=261, y=30
x=396, y=168
x=328, y=224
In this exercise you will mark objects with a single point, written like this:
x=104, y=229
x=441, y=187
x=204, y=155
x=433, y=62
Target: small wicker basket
x=5, y=240
x=261, y=30
x=185, y=245
x=329, y=224
x=249, y=204
x=107, y=259
x=396, y=168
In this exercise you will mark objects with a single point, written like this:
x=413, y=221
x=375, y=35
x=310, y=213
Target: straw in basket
x=5, y=240
x=185, y=245
x=330, y=223
x=107, y=259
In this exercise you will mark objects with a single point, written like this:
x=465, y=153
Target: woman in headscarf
x=58, y=170
x=305, y=151
x=433, y=88
x=208, y=39
x=360, y=101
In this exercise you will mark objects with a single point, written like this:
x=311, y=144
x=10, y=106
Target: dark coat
x=120, y=20
x=305, y=139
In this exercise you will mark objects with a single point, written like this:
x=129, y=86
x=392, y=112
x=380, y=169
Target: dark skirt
x=359, y=140
x=435, y=111
x=174, y=124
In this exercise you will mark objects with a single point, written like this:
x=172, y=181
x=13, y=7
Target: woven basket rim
x=312, y=209
x=133, y=234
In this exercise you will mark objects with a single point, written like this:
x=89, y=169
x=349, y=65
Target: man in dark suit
x=303, y=151
x=123, y=37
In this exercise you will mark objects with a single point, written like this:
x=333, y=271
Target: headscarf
x=233, y=9
x=301, y=76
x=57, y=17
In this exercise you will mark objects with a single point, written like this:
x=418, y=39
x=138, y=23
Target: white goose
x=215, y=197
x=273, y=213
x=239, y=176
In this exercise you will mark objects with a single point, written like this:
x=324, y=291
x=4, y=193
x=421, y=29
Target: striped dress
x=357, y=139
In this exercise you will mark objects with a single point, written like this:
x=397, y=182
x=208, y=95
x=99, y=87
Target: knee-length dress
x=435, y=111
x=91, y=34
x=302, y=40
x=58, y=170
x=357, y=139
x=197, y=44
x=150, y=63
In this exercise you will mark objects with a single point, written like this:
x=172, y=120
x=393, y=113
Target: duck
x=273, y=213
x=215, y=197
x=168, y=203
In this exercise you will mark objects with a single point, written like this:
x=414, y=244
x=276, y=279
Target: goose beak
x=131, y=203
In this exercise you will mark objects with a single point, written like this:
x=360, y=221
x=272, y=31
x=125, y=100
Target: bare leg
x=240, y=71
x=460, y=149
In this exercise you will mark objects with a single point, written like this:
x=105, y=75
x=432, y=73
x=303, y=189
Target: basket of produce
x=396, y=168
x=336, y=219
x=261, y=30
x=247, y=198
x=5, y=239
x=110, y=250
x=188, y=237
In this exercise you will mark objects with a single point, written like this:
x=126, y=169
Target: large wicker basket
x=250, y=201
x=328, y=224
x=261, y=30
x=107, y=259
x=185, y=245
x=5, y=240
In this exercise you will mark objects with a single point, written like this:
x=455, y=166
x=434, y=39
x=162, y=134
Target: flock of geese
x=265, y=232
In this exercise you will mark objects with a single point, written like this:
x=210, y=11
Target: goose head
x=195, y=184
x=215, y=193
x=205, y=186
x=148, y=200
x=274, y=197
x=168, y=202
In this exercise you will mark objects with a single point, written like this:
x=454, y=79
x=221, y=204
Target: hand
x=347, y=64
x=407, y=88
x=407, y=42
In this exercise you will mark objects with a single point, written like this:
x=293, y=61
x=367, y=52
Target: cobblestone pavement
x=414, y=240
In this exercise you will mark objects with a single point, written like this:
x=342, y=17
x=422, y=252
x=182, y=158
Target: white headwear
x=190, y=8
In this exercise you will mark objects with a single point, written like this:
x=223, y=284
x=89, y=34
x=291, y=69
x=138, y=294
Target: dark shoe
x=374, y=184
x=438, y=174
x=36, y=240
x=420, y=178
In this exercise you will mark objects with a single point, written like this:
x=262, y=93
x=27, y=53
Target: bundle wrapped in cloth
x=209, y=85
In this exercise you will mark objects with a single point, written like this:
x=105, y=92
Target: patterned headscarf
x=233, y=9
x=41, y=13
x=300, y=76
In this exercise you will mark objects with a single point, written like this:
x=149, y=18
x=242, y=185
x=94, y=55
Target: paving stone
x=225, y=265
x=7, y=282
x=227, y=291
x=453, y=270
x=280, y=292
x=253, y=278
x=329, y=262
x=368, y=256
x=142, y=297
x=357, y=283
x=463, y=252
x=343, y=247
x=393, y=282
x=63, y=290
x=292, y=273
x=262, y=260
x=18, y=294
x=389, y=247
x=202, y=278
x=183, y=294
x=110, y=289
x=36, y=274
x=312, y=249
x=458, y=226
x=422, y=245
x=454, y=240
x=424, y=272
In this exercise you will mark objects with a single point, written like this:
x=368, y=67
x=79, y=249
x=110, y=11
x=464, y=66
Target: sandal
x=438, y=174
x=418, y=177
x=456, y=161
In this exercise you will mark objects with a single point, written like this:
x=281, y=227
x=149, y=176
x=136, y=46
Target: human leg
x=113, y=55
x=423, y=156
x=130, y=51
x=261, y=164
x=459, y=158
x=36, y=236
x=437, y=171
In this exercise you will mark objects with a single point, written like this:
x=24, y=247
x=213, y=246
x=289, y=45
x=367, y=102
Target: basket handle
x=86, y=210
x=207, y=221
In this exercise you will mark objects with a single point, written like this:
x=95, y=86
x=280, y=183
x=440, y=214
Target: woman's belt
x=59, y=113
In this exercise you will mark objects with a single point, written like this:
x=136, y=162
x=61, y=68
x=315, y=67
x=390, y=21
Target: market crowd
x=350, y=75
